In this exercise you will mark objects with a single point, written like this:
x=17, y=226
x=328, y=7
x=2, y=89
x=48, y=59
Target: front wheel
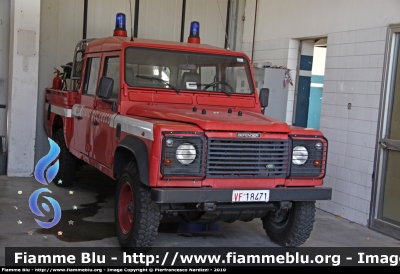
x=291, y=227
x=136, y=217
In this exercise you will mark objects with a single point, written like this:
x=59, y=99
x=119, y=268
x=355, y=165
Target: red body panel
x=216, y=118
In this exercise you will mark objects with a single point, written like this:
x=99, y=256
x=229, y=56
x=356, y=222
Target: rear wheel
x=136, y=217
x=67, y=161
x=291, y=227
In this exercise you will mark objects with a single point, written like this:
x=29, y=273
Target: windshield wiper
x=216, y=86
x=219, y=89
x=157, y=80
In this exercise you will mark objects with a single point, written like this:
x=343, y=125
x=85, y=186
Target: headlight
x=300, y=155
x=183, y=155
x=308, y=156
x=186, y=153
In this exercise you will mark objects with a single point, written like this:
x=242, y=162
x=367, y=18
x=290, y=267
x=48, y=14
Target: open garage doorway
x=310, y=83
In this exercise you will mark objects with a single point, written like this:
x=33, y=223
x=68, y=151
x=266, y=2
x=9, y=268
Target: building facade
x=360, y=99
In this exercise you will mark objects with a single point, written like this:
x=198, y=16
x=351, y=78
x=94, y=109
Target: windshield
x=177, y=70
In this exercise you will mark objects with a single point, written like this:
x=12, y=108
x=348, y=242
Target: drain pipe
x=183, y=19
x=254, y=31
x=85, y=14
x=228, y=19
x=233, y=24
x=136, y=26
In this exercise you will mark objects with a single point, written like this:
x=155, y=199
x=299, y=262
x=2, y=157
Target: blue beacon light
x=194, y=36
x=194, y=29
x=120, y=25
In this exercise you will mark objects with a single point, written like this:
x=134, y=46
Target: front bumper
x=209, y=195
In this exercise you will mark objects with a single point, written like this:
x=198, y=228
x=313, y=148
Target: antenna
x=130, y=8
x=226, y=35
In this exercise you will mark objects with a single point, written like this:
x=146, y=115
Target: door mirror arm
x=112, y=103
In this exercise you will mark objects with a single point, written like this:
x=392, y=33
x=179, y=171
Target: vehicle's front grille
x=232, y=158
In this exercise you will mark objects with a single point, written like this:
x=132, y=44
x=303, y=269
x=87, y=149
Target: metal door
x=386, y=206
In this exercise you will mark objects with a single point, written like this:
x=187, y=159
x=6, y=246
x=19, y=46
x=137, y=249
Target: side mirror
x=105, y=87
x=264, y=95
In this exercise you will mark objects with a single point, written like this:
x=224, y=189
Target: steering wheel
x=213, y=84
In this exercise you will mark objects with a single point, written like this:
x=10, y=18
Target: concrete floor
x=93, y=194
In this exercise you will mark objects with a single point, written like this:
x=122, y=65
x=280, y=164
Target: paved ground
x=93, y=226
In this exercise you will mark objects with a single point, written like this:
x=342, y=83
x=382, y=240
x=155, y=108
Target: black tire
x=136, y=221
x=293, y=228
x=67, y=161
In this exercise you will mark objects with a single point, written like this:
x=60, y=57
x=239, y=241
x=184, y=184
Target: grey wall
x=22, y=86
x=4, y=52
x=61, y=27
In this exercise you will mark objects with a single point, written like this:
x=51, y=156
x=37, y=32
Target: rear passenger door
x=103, y=139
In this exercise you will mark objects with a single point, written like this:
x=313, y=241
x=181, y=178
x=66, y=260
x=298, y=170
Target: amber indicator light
x=167, y=161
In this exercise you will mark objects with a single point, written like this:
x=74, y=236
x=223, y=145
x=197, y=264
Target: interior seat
x=189, y=80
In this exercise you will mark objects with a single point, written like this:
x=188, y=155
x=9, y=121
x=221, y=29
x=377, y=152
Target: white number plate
x=250, y=196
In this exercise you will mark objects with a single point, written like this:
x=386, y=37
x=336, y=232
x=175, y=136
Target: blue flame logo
x=43, y=163
x=45, y=172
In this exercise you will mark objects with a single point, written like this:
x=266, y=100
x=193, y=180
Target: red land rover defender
x=180, y=127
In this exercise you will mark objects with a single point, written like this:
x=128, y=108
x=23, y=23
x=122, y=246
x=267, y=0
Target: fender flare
x=138, y=149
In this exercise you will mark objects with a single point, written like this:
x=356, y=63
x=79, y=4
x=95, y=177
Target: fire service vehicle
x=181, y=129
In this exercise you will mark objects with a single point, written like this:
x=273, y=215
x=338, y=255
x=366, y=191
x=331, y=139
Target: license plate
x=250, y=196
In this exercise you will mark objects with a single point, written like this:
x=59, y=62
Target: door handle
x=95, y=123
x=78, y=117
x=383, y=145
x=390, y=144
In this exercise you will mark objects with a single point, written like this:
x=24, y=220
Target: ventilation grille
x=227, y=158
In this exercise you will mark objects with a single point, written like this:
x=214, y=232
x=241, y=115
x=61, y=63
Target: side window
x=92, y=75
x=112, y=71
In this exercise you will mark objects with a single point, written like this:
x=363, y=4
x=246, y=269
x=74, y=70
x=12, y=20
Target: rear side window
x=112, y=71
x=92, y=75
